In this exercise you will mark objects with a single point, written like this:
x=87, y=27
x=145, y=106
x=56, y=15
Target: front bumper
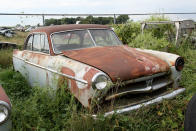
x=150, y=102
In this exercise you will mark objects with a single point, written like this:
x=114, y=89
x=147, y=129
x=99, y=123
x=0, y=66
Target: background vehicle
x=5, y=111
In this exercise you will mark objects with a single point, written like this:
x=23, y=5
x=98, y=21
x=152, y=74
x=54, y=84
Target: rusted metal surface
x=3, y=96
x=58, y=28
x=167, y=57
x=119, y=62
x=44, y=70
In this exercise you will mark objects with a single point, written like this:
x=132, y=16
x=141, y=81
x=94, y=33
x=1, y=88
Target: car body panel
x=44, y=70
x=122, y=68
x=167, y=57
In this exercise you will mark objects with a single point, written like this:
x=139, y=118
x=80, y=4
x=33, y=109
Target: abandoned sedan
x=97, y=67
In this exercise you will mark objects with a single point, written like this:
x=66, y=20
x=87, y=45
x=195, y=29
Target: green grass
x=5, y=58
x=18, y=38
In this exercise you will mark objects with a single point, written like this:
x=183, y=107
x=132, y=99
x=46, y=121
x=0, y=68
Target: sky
x=91, y=6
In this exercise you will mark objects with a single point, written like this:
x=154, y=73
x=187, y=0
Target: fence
x=83, y=15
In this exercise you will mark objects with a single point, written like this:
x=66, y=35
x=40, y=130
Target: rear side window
x=44, y=43
x=29, y=43
x=38, y=42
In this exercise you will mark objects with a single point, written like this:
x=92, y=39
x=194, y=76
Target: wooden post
x=43, y=20
x=114, y=19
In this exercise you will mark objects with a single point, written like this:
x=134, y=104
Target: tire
x=190, y=118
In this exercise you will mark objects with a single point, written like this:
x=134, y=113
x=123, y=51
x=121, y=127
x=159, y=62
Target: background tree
x=121, y=19
x=88, y=20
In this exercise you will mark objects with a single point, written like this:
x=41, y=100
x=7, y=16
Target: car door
x=36, y=57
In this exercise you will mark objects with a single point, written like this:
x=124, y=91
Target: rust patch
x=23, y=53
x=119, y=62
x=89, y=75
x=57, y=28
x=172, y=63
x=67, y=71
x=74, y=89
x=36, y=56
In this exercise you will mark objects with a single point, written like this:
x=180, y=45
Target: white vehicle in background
x=30, y=28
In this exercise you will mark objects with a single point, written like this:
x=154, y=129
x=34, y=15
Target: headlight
x=4, y=111
x=100, y=81
x=179, y=63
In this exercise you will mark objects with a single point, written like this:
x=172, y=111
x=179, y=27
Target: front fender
x=167, y=57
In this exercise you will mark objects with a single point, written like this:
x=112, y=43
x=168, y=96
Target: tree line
x=88, y=20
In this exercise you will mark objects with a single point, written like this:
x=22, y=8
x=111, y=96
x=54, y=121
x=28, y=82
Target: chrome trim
x=9, y=110
x=153, y=101
x=37, y=52
x=142, y=90
x=95, y=77
x=144, y=78
x=162, y=84
x=53, y=71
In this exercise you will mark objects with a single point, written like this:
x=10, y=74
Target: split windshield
x=78, y=39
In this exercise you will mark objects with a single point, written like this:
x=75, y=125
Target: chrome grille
x=141, y=85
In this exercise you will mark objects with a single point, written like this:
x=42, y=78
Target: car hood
x=119, y=62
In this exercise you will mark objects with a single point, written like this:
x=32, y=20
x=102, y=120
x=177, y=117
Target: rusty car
x=98, y=68
x=5, y=111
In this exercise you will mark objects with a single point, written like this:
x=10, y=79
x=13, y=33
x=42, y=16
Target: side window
x=44, y=44
x=29, y=43
x=36, y=42
x=40, y=43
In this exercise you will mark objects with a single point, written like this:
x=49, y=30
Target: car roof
x=57, y=28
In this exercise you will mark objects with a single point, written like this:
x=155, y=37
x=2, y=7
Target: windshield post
x=92, y=38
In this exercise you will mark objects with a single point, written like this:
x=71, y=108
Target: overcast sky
x=91, y=6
